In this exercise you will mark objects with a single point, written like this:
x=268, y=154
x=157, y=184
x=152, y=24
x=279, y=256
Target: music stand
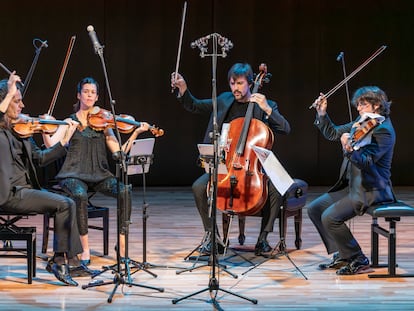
x=207, y=162
x=140, y=160
x=207, y=156
x=282, y=181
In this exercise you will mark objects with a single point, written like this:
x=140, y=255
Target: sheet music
x=141, y=148
x=276, y=172
x=207, y=152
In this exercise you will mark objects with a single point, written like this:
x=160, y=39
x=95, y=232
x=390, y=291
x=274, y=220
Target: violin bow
x=62, y=73
x=352, y=74
x=9, y=72
x=180, y=43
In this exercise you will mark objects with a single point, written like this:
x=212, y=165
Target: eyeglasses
x=362, y=103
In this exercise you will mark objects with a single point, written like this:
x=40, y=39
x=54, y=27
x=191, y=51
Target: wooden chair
x=10, y=231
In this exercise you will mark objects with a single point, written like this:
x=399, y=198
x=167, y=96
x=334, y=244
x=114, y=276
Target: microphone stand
x=213, y=285
x=121, y=276
x=341, y=57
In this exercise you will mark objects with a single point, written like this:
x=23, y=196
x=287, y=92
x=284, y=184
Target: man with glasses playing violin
x=19, y=188
x=368, y=146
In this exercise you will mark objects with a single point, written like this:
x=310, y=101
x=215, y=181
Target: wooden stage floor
x=174, y=230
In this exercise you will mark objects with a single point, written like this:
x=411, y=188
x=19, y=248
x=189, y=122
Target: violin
x=26, y=126
x=362, y=131
x=99, y=119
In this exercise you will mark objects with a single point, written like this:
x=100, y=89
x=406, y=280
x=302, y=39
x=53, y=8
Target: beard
x=240, y=97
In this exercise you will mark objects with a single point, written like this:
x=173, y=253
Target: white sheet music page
x=141, y=148
x=276, y=172
x=207, y=151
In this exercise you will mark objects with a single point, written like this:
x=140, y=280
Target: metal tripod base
x=278, y=251
x=209, y=264
x=144, y=266
x=119, y=278
x=214, y=286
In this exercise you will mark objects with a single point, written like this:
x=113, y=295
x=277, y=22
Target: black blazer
x=373, y=160
x=277, y=123
x=36, y=157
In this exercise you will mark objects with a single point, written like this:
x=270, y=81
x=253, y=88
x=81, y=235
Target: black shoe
x=205, y=249
x=49, y=266
x=81, y=271
x=7, y=244
x=242, y=238
x=61, y=272
x=335, y=263
x=262, y=246
x=360, y=264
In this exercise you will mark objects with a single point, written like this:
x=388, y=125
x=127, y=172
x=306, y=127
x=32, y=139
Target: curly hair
x=373, y=95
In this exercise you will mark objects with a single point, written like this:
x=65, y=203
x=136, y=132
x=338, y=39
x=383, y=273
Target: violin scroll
x=157, y=132
x=262, y=77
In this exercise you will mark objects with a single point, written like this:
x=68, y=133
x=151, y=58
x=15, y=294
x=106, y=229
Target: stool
x=293, y=202
x=392, y=213
x=9, y=231
x=93, y=212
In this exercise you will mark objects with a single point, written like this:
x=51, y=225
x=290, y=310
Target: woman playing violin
x=86, y=166
x=364, y=181
x=20, y=189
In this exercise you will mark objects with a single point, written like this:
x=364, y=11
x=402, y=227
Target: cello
x=243, y=190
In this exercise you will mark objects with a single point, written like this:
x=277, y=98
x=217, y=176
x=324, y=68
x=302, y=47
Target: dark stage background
x=298, y=40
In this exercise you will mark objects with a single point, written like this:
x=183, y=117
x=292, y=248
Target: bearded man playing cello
x=230, y=106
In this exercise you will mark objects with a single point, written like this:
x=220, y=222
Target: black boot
x=262, y=246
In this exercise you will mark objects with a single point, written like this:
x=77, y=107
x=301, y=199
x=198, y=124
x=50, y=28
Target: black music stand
x=140, y=158
x=282, y=181
x=207, y=161
x=213, y=284
x=121, y=276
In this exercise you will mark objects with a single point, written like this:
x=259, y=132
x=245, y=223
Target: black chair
x=10, y=232
x=392, y=214
x=94, y=211
x=294, y=201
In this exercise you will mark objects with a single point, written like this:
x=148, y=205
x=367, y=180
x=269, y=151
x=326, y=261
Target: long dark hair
x=87, y=80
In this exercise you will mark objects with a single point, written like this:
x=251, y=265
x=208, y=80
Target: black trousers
x=66, y=235
x=269, y=212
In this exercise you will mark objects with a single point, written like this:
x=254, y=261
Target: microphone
x=340, y=56
x=92, y=34
x=44, y=44
x=200, y=42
